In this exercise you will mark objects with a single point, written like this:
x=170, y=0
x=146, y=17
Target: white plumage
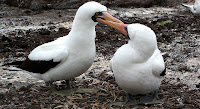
x=55, y=50
x=195, y=8
x=137, y=66
x=76, y=51
x=71, y=55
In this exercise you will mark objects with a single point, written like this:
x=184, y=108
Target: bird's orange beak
x=120, y=27
x=190, y=1
x=107, y=19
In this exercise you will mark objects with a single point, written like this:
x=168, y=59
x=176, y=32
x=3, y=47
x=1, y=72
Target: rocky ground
x=178, y=34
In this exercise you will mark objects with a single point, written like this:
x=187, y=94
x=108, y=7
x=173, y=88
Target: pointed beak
x=120, y=27
x=107, y=19
x=190, y=2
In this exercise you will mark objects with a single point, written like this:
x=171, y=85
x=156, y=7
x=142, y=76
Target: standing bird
x=138, y=66
x=195, y=8
x=71, y=55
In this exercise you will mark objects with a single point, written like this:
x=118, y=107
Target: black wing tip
x=38, y=66
x=163, y=72
x=16, y=63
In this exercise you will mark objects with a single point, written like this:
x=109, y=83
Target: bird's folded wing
x=44, y=57
x=158, y=65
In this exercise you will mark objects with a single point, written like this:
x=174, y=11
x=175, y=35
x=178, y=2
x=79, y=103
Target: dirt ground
x=178, y=34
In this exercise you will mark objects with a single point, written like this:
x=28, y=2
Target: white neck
x=143, y=48
x=82, y=34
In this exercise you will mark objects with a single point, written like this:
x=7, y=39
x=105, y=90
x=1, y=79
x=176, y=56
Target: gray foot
x=149, y=101
x=68, y=91
x=65, y=92
x=129, y=101
x=141, y=100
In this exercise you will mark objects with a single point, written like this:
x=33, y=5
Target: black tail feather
x=17, y=63
x=163, y=73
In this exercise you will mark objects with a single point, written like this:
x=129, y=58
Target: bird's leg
x=52, y=86
x=68, y=84
x=128, y=98
x=155, y=94
x=151, y=100
x=64, y=92
x=129, y=101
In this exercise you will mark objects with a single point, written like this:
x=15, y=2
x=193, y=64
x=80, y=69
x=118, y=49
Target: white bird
x=195, y=8
x=138, y=66
x=71, y=55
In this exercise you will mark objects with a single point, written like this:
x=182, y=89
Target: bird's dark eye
x=98, y=13
x=95, y=16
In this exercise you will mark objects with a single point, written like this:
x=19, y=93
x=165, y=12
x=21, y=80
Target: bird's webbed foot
x=150, y=100
x=129, y=101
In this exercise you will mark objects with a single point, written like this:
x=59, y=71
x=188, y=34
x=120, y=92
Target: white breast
x=135, y=78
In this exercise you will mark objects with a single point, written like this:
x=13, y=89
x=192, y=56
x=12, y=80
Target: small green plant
x=163, y=23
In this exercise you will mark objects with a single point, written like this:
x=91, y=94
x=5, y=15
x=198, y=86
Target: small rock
x=42, y=24
x=51, y=27
x=35, y=6
x=44, y=31
x=63, y=30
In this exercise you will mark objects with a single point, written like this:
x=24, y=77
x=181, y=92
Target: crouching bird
x=71, y=55
x=138, y=66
